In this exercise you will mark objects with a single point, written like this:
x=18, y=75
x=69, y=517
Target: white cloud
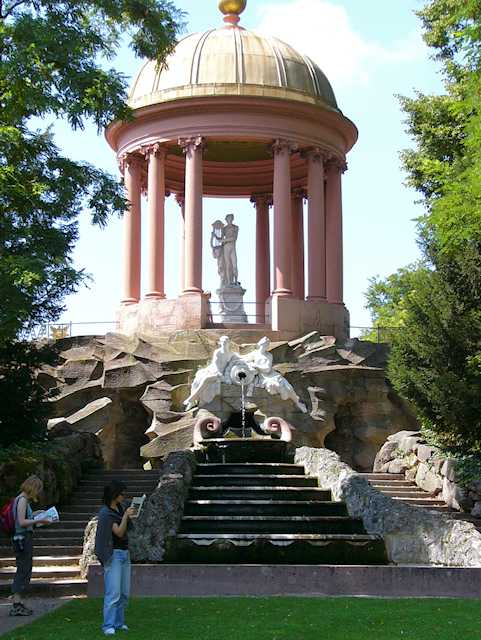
x=323, y=31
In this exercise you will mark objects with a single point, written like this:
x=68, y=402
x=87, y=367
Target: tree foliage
x=436, y=359
x=54, y=64
x=23, y=410
x=54, y=58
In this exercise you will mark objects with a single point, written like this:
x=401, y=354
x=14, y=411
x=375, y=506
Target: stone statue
x=229, y=239
x=217, y=246
x=256, y=368
x=206, y=384
x=260, y=360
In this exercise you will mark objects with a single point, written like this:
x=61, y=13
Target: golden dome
x=231, y=61
x=232, y=6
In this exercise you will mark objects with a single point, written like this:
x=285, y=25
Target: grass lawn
x=267, y=619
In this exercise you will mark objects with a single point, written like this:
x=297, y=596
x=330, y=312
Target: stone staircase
x=398, y=488
x=58, y=548
x=267, y=513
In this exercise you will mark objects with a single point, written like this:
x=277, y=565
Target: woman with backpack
x=30, y=491
x=112, y=550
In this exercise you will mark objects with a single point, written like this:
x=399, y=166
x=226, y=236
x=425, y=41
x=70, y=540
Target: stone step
x=383, y=476
x=72, y=523
x=259, y=493
x=78, y=511
x=94, y=484
x=50, y=549
x=276, y=549
x=49, y=588
x=254, y=480
x=45, y=561
x=271, y=524
x=235, y=450
x=421, y=501
x=60, y=541
x=386, y=484
x=58, y=531
x=53, y=572
x=95, y=497
x=408, y=492
x=264, y=507
x=272, y=468
x=122, y=473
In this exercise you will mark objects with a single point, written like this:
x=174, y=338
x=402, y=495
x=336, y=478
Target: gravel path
x=40, y=606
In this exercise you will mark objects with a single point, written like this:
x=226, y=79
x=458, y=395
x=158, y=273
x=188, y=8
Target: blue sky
x=370, y=51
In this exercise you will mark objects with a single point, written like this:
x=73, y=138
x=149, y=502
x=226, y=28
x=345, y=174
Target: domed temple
x=236, y=114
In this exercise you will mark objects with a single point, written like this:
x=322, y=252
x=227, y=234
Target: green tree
x=436, y=360
x=53, y=64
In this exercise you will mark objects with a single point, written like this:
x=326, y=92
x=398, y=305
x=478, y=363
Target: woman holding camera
x=112, y=550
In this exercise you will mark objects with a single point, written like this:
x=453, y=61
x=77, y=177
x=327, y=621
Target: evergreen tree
x=436, y=358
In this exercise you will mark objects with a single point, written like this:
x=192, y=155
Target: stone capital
x=154, y=150
x=261, y=198
x=129, y=160
x=336, y=164
x=180, y=199
x=299, y=193
x=191, y=144
x=283, y=146
x=317, y=154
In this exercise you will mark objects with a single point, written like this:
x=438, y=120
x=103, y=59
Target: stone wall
x=412, y=535
x=59, y=464
x=406, y=452
x=159, y=520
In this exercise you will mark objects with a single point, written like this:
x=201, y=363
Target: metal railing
x=58, y=330
x=374, y=334
x=220, y=311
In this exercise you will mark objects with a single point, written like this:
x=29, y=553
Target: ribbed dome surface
x=232, y=61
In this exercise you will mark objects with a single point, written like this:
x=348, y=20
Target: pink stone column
x=263, y=253
x=334, y=251
x=193, y=150
x=316, y=226
x=156, y=213
x=282, y=218
x=181, y=202
x=297, y=255
x=132, y=230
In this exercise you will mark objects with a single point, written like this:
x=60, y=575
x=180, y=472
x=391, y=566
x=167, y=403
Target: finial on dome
x=232, y=10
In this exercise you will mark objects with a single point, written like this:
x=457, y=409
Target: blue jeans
x=117, y=589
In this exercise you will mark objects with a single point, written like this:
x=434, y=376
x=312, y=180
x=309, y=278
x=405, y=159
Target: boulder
x=428, y=480
x=398, y=465
x=161, y=515
x=81, y=369
x=175, y=436
x=385, y=454
x=74, y=397
x=126, y=373
x=92, y=418
x=425, y=452
x=401, y=435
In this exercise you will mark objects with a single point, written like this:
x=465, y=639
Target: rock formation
x=130, y=393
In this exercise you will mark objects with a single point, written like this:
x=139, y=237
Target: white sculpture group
x=254, y=370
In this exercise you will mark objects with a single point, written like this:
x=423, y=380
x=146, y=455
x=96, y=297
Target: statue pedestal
x=232, y=305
